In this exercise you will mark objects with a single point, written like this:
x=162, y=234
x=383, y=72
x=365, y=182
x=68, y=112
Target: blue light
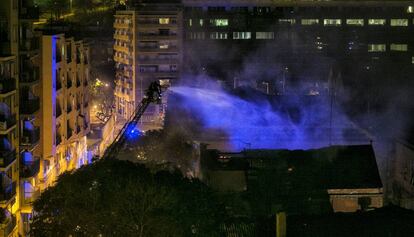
x=132, y=132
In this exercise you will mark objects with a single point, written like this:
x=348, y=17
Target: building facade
x=147, y=48
x=44, y=110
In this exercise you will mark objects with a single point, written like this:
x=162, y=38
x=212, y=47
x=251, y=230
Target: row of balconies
x=69, y=83
x=69, y=108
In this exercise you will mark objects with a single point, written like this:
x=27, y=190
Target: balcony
x=86, y=104
x=30, y=168
x=85, y=82
x=7, y=227
x=29, y=106
x=30, y=75
x=7, y=157
x=30, y=137
x=7, y=85
x=78, y=129
x=6, y=123
x=8, y=192
x=78, y=82
x=78, y=106
x=69, y=83
x=31, y=197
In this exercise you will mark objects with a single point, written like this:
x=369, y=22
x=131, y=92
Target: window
x=218, y=35
x=164, y=21
x=399, y=22
x=190, y=22
x=196, y=35
x=410, y=9
x=242, y=35
x=219, y=22
x=376, y=48
x=310, y=21
x=398, y=47
x=265, y=35
x=332, y=22
x=355, y=22
x=287, y=21
x=201, y=22
x=412, y=60
x=376, y=21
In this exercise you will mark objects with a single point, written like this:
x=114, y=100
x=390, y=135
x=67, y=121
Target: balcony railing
x=32, y=198
x=7, y=227
x=30, y=169
x=7, y=192
x=30, y=106
x=7, y=85
x=7, y=157
x=30, y=137
x=7, y=122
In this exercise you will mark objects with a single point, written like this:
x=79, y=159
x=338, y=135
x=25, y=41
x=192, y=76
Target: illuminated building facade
x=9, y=117
x=147, y=48
x=44, y=111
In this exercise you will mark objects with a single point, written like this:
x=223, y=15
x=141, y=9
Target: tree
x=120, y=198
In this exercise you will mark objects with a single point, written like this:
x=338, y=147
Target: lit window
x=164, y=21
x=399, y=22
x=332, y=22
x=190, y=22
x=265, y=35
x=398, y=47
x=219, y=22
x=242, y=35
x=196, y=35
x=218, y=35
x=163, y=46
x=376, y=48
x=355, y=22
x=376, y=21
x=201, y=22
x=412, y=60
x=310, y=21
x=410, y=9
x=287, y=21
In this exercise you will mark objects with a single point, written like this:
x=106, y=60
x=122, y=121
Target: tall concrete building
x=44, y=111
x=147, y=47
x=9, y=116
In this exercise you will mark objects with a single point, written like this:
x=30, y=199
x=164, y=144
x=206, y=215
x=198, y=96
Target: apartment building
x=147, y=48
x=9, y=116
x=44, y=111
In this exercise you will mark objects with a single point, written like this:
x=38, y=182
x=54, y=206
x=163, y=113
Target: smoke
x=247, y=119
